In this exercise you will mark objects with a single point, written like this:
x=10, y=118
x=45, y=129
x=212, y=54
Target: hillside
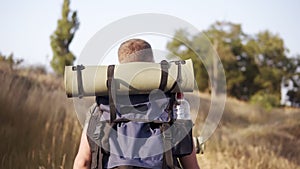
x=250, y=137
x=39, y=128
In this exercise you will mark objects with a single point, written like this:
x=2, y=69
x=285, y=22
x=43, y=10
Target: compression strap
x=78, y=69
x=111, y=86
x=164, y=74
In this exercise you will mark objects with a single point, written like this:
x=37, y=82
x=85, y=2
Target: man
x=134, y=50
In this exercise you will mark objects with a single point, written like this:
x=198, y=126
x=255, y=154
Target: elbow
x=81, y=163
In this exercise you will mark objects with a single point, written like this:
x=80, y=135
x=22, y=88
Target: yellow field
x=249, y=137
x=39, y=129
x=38, y=126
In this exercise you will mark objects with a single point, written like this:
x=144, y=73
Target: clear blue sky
x=26, y=26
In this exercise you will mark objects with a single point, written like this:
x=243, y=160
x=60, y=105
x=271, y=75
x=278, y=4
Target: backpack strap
x=167, y=143
x=78, y=69
x=176, y=86
x=94, y=135
x=111, y=86
x=164, y=75
x=168, y=161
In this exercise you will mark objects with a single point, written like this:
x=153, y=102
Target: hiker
x=134, y=50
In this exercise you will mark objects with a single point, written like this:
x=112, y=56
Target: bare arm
x=83, y=157
x=189, y=161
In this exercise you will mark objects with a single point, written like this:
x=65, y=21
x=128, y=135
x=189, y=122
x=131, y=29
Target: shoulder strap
x=167, y=143
x=94, y=138
x=168, y=162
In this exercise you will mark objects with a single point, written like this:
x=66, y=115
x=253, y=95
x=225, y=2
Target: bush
x=265, y=100
x=9, y=62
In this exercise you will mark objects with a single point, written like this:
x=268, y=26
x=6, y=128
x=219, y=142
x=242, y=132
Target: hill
x=250, y=137
x=39, y=128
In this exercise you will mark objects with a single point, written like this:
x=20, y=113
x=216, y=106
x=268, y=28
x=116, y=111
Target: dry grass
x=39, y=129
x=38, y=126
x=250, y=137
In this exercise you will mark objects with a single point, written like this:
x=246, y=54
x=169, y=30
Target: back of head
x=135, y=50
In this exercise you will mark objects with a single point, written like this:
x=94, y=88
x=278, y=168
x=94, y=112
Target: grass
x=38, y=126
x=250, y=137
x=39, y=129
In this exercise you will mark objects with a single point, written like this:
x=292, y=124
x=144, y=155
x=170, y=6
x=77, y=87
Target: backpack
x=162, y=139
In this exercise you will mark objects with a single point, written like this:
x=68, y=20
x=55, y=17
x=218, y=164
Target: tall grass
x=250, y=137
x=39, y=128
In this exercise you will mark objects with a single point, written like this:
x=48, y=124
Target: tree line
x=255, y=65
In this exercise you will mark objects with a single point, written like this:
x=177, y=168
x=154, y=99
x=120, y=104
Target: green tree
x=272, y=61
x=292, y=68
x=182, y=45
x=227, y=38
x=62, y=37
x=254, y=64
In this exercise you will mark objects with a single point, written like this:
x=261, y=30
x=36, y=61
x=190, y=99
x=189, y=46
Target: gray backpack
x=137, y=131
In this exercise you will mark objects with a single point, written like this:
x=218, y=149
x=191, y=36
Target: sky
x=26, y=26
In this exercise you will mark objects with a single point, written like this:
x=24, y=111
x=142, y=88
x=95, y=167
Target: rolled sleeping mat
x=130, y=78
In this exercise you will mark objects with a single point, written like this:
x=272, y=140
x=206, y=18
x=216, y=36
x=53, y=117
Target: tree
x=227, y=38
x=270, y=56
x=254, y=64
x=187, y=47
x=62, y=38
x=293, y=75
